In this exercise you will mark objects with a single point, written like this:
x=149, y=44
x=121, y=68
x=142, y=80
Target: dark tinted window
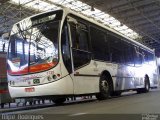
x=99, y=44
x=83, y=40
x=117, y=48
x=80, y=37
x=80, y=45
x=80, y=58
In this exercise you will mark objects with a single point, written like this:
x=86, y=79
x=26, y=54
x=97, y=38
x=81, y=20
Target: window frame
x=87, y=52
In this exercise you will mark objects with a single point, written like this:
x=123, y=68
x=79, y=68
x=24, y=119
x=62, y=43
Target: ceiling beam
x=139, y=18
x=127, y=8
x=135, y=14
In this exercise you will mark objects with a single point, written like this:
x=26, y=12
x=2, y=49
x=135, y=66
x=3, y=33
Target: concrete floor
x=130, y=103
x=128, y=106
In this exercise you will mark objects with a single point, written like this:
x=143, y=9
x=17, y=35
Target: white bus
x=62, y=53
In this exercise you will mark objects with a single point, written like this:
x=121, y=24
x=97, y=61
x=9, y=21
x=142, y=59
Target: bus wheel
x=59, y=101
x=104, y=87
x=146, y=85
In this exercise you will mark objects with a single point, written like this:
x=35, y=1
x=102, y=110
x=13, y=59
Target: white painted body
x=124, y=78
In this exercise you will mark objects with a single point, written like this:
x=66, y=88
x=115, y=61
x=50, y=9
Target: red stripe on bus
x=4, y=91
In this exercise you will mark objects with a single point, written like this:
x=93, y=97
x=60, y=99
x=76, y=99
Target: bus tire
x=104, y=87
x=59, y=101
x=146, y=84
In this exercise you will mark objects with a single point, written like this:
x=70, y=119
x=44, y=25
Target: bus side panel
x=132, y=77
x=86, y=79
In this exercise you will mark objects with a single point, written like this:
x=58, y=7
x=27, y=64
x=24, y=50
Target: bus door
x=81, y=57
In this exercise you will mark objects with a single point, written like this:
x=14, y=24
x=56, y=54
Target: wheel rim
x=105, y=86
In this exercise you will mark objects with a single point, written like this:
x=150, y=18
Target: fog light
x=58, y=75
x=49, y=78
x=54, y=76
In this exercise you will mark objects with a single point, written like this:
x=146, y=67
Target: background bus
x=4, y=92
x=62, y=53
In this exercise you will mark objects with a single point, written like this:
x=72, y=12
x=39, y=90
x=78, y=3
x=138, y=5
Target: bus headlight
x=54, y=77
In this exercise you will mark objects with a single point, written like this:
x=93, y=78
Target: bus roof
x=92, y=20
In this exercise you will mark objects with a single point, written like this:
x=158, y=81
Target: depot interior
x=136, y=19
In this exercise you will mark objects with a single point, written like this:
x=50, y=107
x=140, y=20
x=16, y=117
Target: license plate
x=29, y=89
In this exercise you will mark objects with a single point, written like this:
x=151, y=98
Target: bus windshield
x=34, y=49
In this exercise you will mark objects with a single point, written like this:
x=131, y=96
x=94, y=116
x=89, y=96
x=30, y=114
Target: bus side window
x=79, y=37
x=83, y=40
x=80, y=45
x=129, y=59
x=100, y=45
x=116, y=49
x=138, y=58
